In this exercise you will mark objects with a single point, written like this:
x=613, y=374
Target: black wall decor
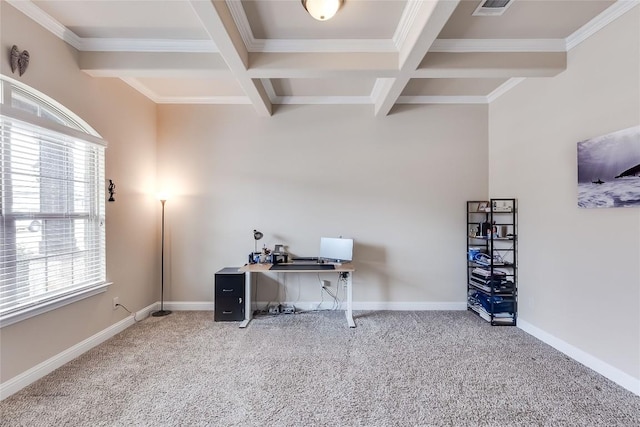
x=112, y=191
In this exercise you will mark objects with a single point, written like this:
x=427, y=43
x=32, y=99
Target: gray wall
x=579, y=268
x=396, y=184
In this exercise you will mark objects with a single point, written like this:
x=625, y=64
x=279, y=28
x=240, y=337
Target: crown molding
x=135, y=83
x=498, y=45
x=46, y=21
x=144, y=90
x=504, y=88
x=609, y=15
x=583, y=33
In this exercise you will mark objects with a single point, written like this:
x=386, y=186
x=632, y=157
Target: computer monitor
x=336, y=249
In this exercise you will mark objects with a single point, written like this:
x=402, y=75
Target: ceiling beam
x=156, y=64
x=322, y=65
x=429, y=21
x=218, y=22
x=492, y=65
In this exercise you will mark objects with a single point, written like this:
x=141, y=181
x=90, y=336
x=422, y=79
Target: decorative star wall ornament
x=19, y=60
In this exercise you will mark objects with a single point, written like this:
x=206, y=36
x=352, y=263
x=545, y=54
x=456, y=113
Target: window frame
x=68, y=124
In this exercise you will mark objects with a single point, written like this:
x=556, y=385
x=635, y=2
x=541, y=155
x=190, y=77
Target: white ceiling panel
x=163, y=19
x=524, y=19
x=357, y=19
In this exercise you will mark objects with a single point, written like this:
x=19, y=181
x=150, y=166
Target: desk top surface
x=264, y=268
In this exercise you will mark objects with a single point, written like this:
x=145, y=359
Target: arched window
x=52, y=205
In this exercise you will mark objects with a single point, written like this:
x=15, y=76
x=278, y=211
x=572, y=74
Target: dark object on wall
x=112, y=191
x=229, y=295
x=14, y=58
x=19, y=60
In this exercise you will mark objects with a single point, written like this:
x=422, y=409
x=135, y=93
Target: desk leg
x=248, y=312
x=349, y=312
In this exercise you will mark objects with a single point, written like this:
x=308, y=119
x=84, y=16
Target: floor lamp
x=162, y=311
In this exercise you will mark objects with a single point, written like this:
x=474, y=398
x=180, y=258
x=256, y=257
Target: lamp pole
x=162, y=311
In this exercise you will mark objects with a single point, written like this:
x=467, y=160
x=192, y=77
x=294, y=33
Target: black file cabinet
x=229, y=295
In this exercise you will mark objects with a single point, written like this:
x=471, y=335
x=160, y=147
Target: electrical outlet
x=325, y=283
x=116, y=301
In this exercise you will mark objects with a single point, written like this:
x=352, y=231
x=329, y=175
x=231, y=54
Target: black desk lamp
x=257, y=235
x=162, y=311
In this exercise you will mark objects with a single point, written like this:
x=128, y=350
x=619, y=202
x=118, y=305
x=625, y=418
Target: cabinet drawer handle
x=227, y=290
x=227, y=312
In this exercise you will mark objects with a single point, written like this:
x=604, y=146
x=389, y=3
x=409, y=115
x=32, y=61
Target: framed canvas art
x=609, y=170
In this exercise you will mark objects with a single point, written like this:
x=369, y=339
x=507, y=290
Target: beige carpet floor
x=394, y=369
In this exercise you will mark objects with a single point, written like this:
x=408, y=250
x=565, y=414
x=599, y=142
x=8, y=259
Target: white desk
x=249, y=269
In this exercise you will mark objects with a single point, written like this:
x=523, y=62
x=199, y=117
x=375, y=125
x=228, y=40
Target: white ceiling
x=271, y=52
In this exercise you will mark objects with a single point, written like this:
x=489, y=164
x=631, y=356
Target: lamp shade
x=322, y=10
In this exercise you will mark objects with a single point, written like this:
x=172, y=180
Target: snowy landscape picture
x=609, y=170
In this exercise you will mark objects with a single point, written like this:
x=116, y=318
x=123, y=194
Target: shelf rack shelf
x=492, y=286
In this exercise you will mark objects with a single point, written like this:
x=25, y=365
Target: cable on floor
x=128, y=311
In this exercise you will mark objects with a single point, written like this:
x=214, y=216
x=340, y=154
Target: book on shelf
x=497, y=317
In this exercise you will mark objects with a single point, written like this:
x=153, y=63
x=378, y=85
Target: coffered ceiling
x=271, y=52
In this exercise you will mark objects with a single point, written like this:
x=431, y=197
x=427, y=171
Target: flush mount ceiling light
x=322, y=10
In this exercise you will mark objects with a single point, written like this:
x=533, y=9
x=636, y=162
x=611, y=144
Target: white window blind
x=52, y=216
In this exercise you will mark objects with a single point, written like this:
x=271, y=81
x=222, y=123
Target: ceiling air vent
x=492, y=7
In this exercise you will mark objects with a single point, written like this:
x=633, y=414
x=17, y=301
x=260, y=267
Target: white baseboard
x=614, y=374
x=188, y=305
x=22, y=380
